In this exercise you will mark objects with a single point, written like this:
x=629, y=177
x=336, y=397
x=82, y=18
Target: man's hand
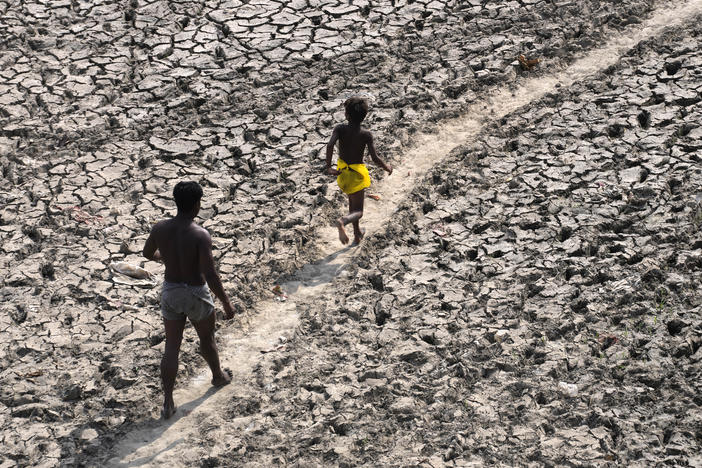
x=332, y=171
x=228, y=311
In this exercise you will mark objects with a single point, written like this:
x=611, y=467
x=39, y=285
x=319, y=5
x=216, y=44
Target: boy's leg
x=342, y=232
x=356, y=213
x=205, y=331
x=169, y=362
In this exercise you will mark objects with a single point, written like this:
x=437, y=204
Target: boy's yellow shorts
x=353, y=177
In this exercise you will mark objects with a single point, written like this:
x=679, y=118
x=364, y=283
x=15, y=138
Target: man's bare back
x=186, y=251
x=181, y=243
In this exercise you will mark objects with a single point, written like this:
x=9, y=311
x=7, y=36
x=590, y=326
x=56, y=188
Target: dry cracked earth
x=535, y=301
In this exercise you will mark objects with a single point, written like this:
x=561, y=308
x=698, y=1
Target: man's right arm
x=151, y=249
x=207, y=267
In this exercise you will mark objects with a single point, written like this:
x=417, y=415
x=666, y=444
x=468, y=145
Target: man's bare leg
x=208, y=347
x=169, y=363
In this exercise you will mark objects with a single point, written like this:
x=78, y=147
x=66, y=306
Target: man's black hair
x=186, y=195
x=357, y=108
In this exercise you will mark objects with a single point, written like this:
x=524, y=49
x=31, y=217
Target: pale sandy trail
x=272, y=322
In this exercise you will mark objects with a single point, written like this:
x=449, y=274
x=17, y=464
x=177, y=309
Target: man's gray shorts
x=180, y=300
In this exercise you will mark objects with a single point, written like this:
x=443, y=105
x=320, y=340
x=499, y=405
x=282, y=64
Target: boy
x=352, y=174
x=186, y=251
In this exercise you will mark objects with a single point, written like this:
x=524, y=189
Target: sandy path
x=273, y=322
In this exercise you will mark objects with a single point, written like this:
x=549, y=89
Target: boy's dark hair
x=357, y=108
x=186, y=195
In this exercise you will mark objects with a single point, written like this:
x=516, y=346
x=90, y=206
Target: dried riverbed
x=535, y=299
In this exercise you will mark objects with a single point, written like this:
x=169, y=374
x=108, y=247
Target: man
x=186, y=250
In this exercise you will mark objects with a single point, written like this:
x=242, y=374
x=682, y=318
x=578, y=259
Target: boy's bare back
x=353, y=141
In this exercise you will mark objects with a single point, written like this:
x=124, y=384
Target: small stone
x=18, y=314
x=47, y=271
x=29, y=410
x=119, y=382
x=403, y=405
x=568, y=389
x=412, y=354
x=72, y=392
x=675, y=326
x=88, y=435
x=501, y=335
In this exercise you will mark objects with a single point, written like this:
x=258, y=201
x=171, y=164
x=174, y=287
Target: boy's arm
x=330, y=151
x=374, y=155
x=207, y=267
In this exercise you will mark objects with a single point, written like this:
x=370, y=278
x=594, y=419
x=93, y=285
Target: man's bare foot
x=357, y=238
x=342, y=232
x=168, y=410
x=222, y=380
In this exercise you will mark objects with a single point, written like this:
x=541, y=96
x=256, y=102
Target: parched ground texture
x=537, y=301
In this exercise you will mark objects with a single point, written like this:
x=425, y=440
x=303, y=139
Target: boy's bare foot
x=168, y=410
x=342, y=232
x=222, y=380
x=357, y=239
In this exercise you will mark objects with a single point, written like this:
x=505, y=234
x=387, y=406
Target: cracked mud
x=534, y=300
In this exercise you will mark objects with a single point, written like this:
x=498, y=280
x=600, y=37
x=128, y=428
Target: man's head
x=356, y=109
x=187, y=195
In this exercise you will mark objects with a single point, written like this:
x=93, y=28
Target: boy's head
x=187, y=195
x=356, y=109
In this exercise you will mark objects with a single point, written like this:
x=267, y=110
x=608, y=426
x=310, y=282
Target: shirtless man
x=186, y=250
x=352, y=174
